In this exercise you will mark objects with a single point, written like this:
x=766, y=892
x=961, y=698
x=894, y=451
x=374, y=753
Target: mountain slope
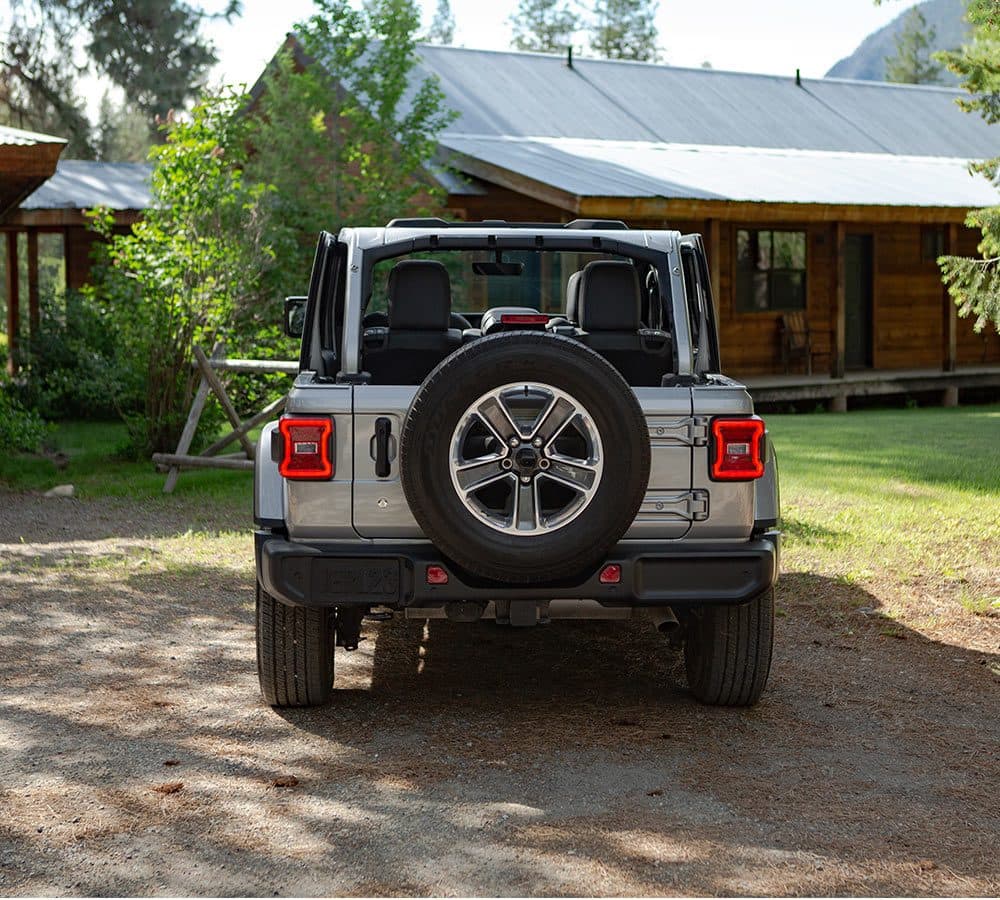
x=868, y=61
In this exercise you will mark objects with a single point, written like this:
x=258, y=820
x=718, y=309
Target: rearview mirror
x=498, y=268
x=295, y=316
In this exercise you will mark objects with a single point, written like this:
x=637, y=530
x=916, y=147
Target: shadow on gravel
x=477, y=759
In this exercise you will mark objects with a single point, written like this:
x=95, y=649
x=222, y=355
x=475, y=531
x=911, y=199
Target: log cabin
x=824, y=203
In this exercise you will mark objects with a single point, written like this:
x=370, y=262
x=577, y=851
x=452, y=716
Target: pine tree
x=625, y=29
x=545, y=26
x=974, y=282
x=913, y=63
x=442, y=30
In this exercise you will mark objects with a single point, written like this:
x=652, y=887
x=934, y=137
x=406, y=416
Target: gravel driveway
x=136, y=755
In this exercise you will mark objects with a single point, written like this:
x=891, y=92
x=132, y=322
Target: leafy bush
x=177, y=277
x=74, y=366
x=20, y=429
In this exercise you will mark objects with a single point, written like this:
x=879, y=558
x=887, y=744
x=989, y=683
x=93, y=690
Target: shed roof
x=80, y=184
x=17, y=137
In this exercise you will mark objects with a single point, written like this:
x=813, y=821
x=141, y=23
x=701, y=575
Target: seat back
x=607, y=310
x=418, y=335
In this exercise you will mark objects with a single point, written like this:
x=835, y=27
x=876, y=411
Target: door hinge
x=691, y=431
x=690, y=506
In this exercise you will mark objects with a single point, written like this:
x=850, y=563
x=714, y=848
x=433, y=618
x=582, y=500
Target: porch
x=872, y=383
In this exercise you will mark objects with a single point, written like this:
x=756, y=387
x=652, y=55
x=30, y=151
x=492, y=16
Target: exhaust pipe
x=663, y=619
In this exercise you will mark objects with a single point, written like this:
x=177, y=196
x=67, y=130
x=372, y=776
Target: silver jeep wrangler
x=520, y=422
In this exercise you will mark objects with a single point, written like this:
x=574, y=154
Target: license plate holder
x=348, y=580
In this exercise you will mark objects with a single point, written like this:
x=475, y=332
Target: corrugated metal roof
x=612, y=128
x=602, y=168
x=78, y=184
x=20, y=138
x=530, y=94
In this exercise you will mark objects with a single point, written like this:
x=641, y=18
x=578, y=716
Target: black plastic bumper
x=652, y=574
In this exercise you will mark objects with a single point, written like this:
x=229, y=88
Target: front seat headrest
x=419, y=296
x=608, y=297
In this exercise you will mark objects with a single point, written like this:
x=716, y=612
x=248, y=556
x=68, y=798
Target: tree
x=38, y=78
x=974, y=283
x=442, y=30
x=121, y=133
x=383, y=123
x=177, y=277
x=625, y=29
x=349, y=139
x=913, y=62
x=544, y=26
x=152, y=50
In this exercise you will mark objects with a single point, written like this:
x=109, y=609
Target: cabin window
x=931, y=243
x=770, y=270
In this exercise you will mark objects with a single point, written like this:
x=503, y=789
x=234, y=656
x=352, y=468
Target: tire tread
x=295, y=653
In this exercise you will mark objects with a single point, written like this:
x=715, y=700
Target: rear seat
x=604, y=302
x=418, y=335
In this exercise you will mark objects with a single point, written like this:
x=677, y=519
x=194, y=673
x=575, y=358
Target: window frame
x=770, y=310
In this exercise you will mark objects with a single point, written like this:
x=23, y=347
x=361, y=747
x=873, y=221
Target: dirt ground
x=136, y=755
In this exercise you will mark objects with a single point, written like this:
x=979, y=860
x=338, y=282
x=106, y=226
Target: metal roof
x=586, y=167
x=613, y=128
x=17, y=137
x=532, y=94
x=78, y=184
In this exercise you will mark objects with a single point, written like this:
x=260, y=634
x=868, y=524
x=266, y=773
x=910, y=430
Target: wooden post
x=839, y=355
x=34, y=314
x=13, y=303
x=191, y=425
x=224, y=401
x=950, y=356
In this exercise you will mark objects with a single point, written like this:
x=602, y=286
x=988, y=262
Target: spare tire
x=524, y=457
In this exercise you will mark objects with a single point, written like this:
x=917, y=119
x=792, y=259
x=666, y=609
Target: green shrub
x=20, y=428
x=74, y=366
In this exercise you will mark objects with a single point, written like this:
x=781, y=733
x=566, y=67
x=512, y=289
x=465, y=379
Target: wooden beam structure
x=665, y=209
x=210, y=458
x=13, y=304
x=34, y=313
x=839, y=284
x=949, y=360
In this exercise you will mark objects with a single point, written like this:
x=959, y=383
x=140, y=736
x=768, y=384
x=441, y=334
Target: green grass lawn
x=902, y=504
x=96, y=469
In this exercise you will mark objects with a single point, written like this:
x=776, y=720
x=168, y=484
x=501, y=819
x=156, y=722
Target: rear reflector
x=436, y=575
x=737, y=449
x=611, y=574
x=306, y=448
x=523, y=319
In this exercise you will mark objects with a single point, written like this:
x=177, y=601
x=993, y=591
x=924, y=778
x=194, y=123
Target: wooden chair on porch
x=796, y=340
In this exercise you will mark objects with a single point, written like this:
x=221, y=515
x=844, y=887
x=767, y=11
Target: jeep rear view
x=515, y=422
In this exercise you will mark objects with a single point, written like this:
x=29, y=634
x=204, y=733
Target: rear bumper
x=653, y=574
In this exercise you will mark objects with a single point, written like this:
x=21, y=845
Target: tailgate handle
x=383, y=431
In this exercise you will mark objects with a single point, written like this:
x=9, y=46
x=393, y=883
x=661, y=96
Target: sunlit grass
x=904, y=503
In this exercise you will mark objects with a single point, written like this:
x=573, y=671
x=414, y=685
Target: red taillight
x=306, y=448
x=737, y=449
x=436, y=575
x=524, y=319
x=611, y=574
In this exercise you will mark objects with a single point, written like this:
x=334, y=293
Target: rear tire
x=295, y=649
x=727, y=651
